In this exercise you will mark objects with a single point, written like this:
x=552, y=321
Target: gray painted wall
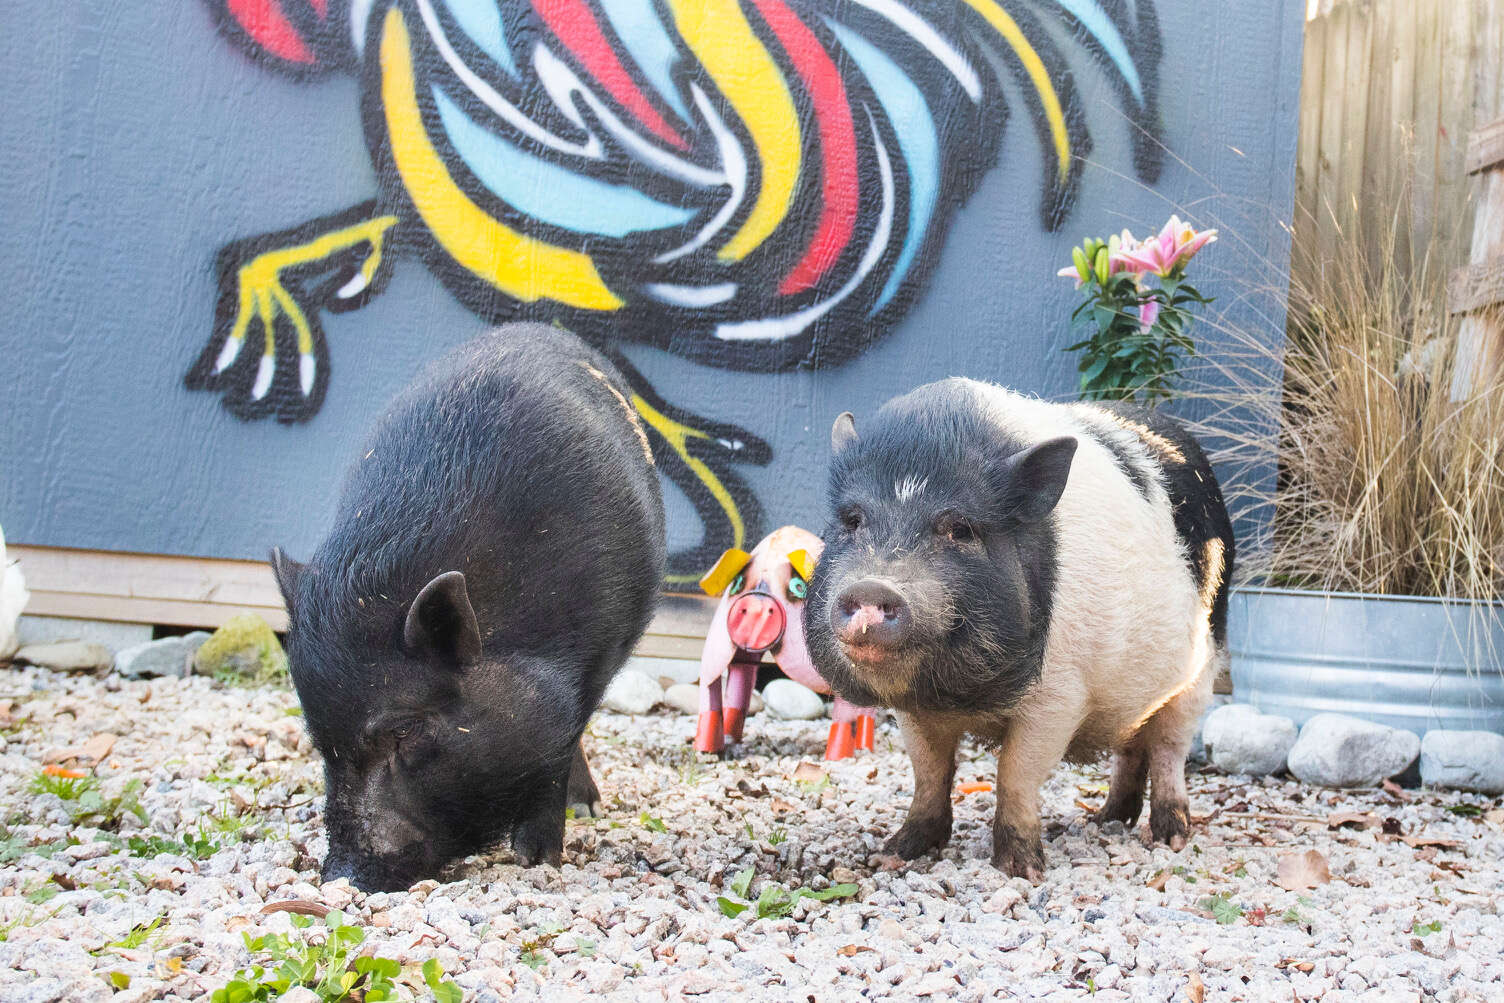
x=138, y=141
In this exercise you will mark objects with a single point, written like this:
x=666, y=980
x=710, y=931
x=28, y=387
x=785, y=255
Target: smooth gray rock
x=683, y=697
x=1240, y=739
x=67, y=656
x=1340, y=751
x=167, y=656
x=632, y=692
x=1197, y=754
x=791, y=701
x=1463, y=760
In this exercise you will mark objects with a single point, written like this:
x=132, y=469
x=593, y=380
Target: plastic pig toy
x=762, y=609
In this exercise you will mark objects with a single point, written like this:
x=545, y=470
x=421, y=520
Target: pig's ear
x=1035, y=478
x=441, y=622
x=288, y=573
x=843, y=432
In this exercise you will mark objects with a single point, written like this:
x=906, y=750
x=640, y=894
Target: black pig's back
x=518, y=460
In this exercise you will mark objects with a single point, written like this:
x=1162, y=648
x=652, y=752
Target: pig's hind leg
x=583, y=796
x=931, y=744
x=1168, y=741
x=1125, y=794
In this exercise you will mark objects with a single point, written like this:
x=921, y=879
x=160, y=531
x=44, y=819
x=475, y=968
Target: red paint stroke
x=837, y=145
x=575, y=25
x=269, y=27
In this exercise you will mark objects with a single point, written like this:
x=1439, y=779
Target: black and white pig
x=497, y=551
x=1051, y=578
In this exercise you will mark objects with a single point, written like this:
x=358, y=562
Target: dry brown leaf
x=781, y=807
x=1295, y=963
x=1195, y=989
x=1356, y=819
x=1299, y=871
x=852, y=950
x=90, y=753
x=1494, y=816
x=1157, y=882
x=808, y=773
x=1440, y=844
x=1395, y=791
x=302, y=906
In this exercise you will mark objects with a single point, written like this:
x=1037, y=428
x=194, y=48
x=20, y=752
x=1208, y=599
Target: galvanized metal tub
x=1408, y=662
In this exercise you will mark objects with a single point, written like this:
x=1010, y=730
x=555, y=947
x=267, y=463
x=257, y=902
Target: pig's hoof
x=887, y=861
x=538, y=842
x=915, y=839
x=587, y=809
x=1170, y=824
x=1016, y=856
x=1126, y=811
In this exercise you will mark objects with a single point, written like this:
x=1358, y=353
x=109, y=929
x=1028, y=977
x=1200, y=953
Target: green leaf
x=652, y=823
x=119, y=980
x=447, y=992
x=432, y=972
x=1097, y=368
x=774, y=903
x=844, y=891
x=730, y=909
x=742, y=883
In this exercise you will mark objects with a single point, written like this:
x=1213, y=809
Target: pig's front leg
x=539, y=838
x=1031, y=749
x=931, y=743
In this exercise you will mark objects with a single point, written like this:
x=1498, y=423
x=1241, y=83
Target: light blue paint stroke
x=649, y=45
x=547, y=192
x=1095, y=20
x=481, y=20
x=915, y=128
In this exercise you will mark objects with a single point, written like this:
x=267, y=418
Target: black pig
x=1051, y=578
x=497, y=552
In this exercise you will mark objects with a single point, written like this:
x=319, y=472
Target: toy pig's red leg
x=839, y=744
x=866, y=730
x=709, y=735
x=739, y=680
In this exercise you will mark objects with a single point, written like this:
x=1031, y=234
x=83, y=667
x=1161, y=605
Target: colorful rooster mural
x=751, y=184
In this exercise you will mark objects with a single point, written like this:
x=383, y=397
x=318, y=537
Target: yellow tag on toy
x=802, y=563
x=727, y=568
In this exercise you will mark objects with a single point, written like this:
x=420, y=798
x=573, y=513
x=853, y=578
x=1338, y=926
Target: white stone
x=1340, y=751
x=632, y=692
x=791, y=701
x=683, y=697
x=1240, y=739
x=1463, y=760
x=67, y=656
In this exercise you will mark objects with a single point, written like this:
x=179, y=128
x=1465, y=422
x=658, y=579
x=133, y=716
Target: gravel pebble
x=791, y=701
x=632, y=912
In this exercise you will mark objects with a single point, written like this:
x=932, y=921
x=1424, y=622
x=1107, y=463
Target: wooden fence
x=1390, y=91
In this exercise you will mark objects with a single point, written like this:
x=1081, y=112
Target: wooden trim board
x=205, y=592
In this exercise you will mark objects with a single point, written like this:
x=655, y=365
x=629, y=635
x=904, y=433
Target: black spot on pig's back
x=1195, y=499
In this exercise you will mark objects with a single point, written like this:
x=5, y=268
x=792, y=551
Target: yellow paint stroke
x=523, y=267
x=677, y=435
x=1054, y=115
x=720, y=37
x=263, y=296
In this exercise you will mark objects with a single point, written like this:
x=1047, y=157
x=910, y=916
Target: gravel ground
x=632, y=914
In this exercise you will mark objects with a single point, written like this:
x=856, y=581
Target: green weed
x=775, y=901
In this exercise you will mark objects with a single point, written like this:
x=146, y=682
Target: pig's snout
x=755, y=621
x=870, y=614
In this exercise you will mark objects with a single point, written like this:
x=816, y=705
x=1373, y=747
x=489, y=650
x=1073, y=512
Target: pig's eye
x=796, y=587
x=738, y=584
x=957, y=529
x=404, y=729
x=852, y=519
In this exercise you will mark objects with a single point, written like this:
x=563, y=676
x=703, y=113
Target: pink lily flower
x=1174, y=245
x=1148, y=313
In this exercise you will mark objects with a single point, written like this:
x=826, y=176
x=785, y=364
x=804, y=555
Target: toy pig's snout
x=755, y=621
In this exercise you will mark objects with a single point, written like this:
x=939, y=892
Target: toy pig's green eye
x=796, y=587
x=736, y=586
